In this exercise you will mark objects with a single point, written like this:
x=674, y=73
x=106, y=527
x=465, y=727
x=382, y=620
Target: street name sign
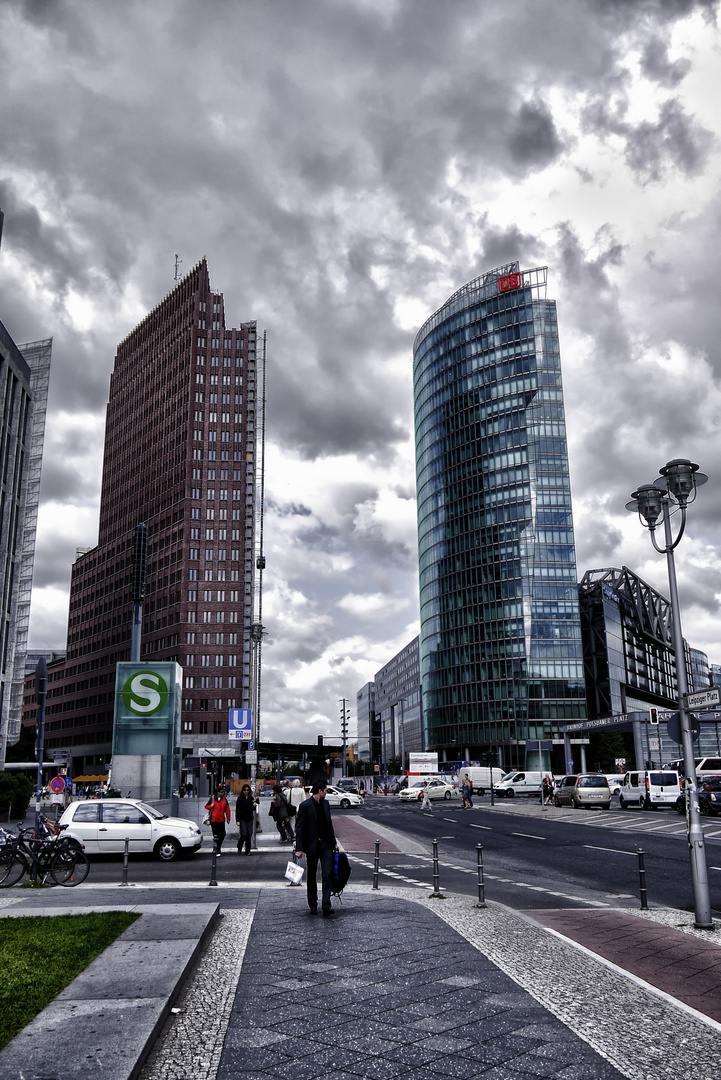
x=703, y=699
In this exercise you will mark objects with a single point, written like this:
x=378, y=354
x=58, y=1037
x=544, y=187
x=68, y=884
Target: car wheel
x=510, y=794
x=167, y=849
x=447, y=795
x=556, y=801
x=703, y=808
x=345, y=803
x=479, y=792
x=680, y=808
x=622, y=802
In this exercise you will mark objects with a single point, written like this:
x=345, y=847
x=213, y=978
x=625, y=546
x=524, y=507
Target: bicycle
x=49, y=855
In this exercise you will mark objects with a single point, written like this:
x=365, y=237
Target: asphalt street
x=532, y=857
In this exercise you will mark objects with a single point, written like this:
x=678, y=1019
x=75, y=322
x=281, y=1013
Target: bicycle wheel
x=12, y=868
x=69, y=867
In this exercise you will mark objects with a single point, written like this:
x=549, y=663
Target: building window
x=189, y=682
x=190, y=638
x=188, y=724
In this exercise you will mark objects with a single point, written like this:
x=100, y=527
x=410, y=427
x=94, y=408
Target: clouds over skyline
x=345, y=167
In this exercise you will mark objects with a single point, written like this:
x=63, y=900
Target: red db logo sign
x=509, y=281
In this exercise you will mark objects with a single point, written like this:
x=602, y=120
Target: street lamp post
x=671, y=493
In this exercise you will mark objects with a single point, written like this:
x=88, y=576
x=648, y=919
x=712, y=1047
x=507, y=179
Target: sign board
x=654, y=743
x=251, y=757
x=703, y=699
x=422, y=763
x=240, y=724
x=57, y=785
x=62, y=755
x=673, y=726
x=217, y=751
x=146, y=722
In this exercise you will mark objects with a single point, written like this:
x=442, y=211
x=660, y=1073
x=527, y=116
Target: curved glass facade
x=501, y=657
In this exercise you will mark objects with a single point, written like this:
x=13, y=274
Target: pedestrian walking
x=280, y=813
x=244, y=814
x=426, y=804
x=547, y=786
x=297, y=795
x=219, y=809
x=467, y=794
x=315, y=838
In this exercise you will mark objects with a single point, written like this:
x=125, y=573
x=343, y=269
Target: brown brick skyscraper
x=179, y=456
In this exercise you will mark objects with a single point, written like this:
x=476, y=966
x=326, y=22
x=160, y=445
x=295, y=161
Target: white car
x=437, y=789
x=344, y=799
x=102, y=825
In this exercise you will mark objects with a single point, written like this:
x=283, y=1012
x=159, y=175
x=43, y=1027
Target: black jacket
x=244, y=808
x=306, y=827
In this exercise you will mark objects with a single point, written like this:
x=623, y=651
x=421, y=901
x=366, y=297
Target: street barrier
x=376, y=863
x=214, y=862
x=125, y=862
x=642, y=880
x=436, y=874
x=481, y=883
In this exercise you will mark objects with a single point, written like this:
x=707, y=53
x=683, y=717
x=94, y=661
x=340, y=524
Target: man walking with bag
x=315, y=837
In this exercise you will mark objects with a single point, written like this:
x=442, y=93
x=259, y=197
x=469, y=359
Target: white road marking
x=618, y=851
x=486, y=827
x=530, y=836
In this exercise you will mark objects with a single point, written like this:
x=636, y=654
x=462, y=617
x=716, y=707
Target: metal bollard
x=125, y=862
x=436, y=874
x=642, y=880
x=213, y=862
x=481, y=883
x=376, y=863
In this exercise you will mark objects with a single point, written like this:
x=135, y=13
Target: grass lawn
x=40, y=955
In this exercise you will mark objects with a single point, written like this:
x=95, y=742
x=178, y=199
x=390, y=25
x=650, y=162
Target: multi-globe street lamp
x=671, y=493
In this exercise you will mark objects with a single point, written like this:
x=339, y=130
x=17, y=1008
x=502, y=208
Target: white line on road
x=530, y=836
x=618, y=851
x=486, y=827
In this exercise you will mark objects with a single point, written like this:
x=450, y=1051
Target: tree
x=15, y=792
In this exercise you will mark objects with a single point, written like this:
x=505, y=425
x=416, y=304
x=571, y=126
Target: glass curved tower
x=501, y=657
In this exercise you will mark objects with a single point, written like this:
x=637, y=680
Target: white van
x=710, y=766
x=649, y=788
x=480, y=777
x=519, y=783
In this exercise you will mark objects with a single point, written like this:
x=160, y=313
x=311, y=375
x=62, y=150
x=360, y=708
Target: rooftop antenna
x=178, y=261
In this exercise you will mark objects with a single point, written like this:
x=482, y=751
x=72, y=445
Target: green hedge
x=16, y=790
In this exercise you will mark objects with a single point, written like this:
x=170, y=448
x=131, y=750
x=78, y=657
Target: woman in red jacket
x=219, y=808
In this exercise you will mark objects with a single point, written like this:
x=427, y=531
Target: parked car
x=649, y=788
x=583, y=790
x=344, y=799
x=102, y=827
x=347, y=783
x=709, y=797
x=266, y=791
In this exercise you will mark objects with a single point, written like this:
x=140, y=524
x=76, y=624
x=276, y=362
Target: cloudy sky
x=345, y=165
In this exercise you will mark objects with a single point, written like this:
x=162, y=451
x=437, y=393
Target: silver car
x=583, y=790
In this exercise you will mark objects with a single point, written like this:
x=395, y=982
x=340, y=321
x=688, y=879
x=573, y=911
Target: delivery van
x=480, y=777
x=519, y=783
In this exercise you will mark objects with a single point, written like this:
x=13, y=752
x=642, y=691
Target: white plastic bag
x=294, y=873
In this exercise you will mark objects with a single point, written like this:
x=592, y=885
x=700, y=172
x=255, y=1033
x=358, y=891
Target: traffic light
x=653, y=716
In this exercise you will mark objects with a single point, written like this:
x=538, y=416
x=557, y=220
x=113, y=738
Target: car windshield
x=593, y=781
x=151, y=811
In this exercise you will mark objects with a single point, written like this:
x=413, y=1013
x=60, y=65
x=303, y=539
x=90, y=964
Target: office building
x=630, y=664
x=500, y=641
x=180, y=457
x=398, y=709
x=367, y=726
x=24, y=380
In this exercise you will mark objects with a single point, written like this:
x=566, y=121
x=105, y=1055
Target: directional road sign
x=703, y=699
x=239, y=724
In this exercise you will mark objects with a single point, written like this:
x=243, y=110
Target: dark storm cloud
x=534, y=141
x=656, y=64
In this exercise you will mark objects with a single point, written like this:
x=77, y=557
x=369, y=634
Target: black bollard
x=125, y=862
x=436, y=873
x=481, y=883
x=213, y=862
x=376, y=863
x=642, y=880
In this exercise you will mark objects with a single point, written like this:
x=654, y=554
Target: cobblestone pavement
x=192, y=1039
